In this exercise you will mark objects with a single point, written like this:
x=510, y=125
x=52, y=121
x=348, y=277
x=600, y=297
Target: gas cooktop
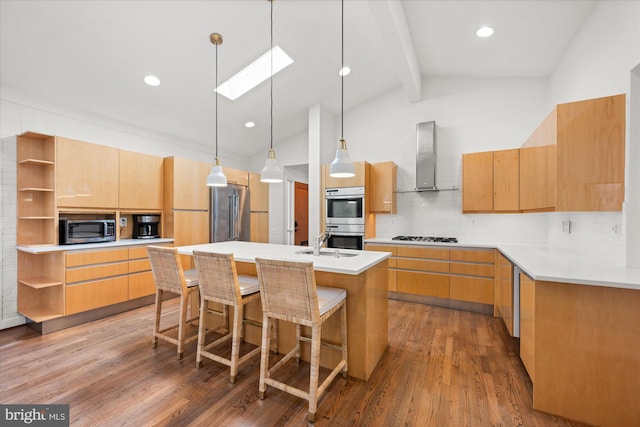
x=426, y=239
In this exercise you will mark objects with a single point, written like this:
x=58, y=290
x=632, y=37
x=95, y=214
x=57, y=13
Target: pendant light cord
x=216, y=101
x=271, y=79
x=342, y=79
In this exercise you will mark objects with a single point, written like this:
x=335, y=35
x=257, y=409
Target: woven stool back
x=217, y=277
x=288, y=290
x=167, y=269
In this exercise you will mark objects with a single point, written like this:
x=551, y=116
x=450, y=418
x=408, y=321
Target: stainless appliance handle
x=236, y=217
x=231, y=217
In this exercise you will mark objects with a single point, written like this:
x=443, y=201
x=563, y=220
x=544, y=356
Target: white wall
x=471, y=115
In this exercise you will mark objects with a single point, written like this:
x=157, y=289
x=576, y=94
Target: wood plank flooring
x=443, y=367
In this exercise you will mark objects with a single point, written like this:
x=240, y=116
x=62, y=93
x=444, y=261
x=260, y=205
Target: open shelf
x=40, y=282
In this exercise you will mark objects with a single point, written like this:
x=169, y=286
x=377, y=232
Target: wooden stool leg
x=201, y=331
x=235, y=341
x=264, y=357
x=316, y=332
x=156, y=325
x=343, y=329
x=182, y=323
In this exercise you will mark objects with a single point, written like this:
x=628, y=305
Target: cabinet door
x=190, y=228
x=477, y=182
x=141, y=181
x=538, y=178
x=504, y=284
x=185, y=184
x=259, y=227
x=527, y=324
x=506, y=180
x=258, y=194
x=86, y=174
x=383, y=187
x=100, y=293
x=591, y=150
x=236, y=176
x=359, y=180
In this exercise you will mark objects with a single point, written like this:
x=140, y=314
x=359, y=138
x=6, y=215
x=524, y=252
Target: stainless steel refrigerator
x=229, y=209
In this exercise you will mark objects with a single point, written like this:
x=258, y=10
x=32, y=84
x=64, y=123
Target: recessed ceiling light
x=484, y=32
x=254, y=74
x=249, y=124
x=152, y=80
x=344, y=71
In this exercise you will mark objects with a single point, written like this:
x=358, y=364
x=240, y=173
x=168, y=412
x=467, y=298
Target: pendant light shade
x=342, y=166
x=216, y=178
x=271, y=172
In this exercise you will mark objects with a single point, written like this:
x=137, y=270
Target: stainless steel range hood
x=426, y=156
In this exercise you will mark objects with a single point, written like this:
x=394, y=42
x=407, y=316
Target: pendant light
x=271, y=172
x=216, y=178
x=342, y=167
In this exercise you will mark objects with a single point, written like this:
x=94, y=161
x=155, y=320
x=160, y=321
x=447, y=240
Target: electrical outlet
x=566, y=227
x=616, y=228
x=123, y=221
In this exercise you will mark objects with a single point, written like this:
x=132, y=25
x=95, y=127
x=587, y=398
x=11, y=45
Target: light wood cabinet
x=185, y=184
x=141, y=281
x=86, y=174
x=503, y=285
x=41, y=285
x=477, y=182
x=259, y=227
x=471, y=275
x=538, y=178
x=528, y=324
x=384, y=187
x=590, y=155
x=141, y=181
x=361, y=178
x=506, y=180
x=393, y=282
x=258, y=193
x=236, y=176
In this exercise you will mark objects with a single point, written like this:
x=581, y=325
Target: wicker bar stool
x=170, y=277
x=288, y=292
x=220, y=282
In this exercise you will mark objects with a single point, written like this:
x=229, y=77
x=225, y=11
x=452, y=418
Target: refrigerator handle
x=236, y=218
x=231, y=217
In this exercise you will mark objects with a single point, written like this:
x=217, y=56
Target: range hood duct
x=426, y=156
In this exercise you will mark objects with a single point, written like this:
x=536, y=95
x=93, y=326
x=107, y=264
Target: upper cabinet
x=141, y=181
x=86, y=174
x=360, y=179
x=538, y=178
x=185, y=184
x=506, y=181
x=477, y=182
x=590, y=155
x=384, y=185
x=236, y=176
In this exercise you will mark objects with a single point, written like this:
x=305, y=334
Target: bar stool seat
x=170, y=277
x=288, y=292
x=220, y=283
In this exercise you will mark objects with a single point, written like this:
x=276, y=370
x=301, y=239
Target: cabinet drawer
x=472, y=269
x=472, y=289
x=141, y=284
x=97, y=271
x=423, y=265
x=417, y=252
x=74, y=259
x=436, y=285
x=88, y=296
x=382, y=248
x=139, y=265
x=472, y=255
x=138, y=252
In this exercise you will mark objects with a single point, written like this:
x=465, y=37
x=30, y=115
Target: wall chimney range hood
x=426, y=156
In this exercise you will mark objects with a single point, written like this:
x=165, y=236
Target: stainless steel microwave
x=72, y=231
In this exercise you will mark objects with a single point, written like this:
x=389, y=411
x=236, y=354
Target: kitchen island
x=362, y=273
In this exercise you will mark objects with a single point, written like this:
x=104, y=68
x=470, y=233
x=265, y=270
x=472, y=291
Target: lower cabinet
x=527, y=324
x=98, y=278
x=504, y=291
x=465, y=275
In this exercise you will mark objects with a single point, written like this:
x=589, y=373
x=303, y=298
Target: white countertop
x=249, y=251
x=104, y=245
x=548, y=263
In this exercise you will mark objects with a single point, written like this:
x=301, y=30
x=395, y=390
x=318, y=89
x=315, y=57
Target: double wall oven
x=345, y=212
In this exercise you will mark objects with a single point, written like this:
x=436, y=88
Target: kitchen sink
x=328, y=252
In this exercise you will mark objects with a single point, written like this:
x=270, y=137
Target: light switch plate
x=566, y=227
x=123, y=222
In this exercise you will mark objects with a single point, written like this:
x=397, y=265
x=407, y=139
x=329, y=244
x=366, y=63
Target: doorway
x=301, y=214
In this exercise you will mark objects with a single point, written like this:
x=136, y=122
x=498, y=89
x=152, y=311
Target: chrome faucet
x=319, y=241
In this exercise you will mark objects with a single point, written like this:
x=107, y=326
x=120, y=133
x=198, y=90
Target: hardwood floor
x=442, y=368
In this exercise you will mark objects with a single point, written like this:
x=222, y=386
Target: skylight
x=254, y=74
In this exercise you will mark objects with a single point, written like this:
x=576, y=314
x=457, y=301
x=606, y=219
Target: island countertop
x=249, y=251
